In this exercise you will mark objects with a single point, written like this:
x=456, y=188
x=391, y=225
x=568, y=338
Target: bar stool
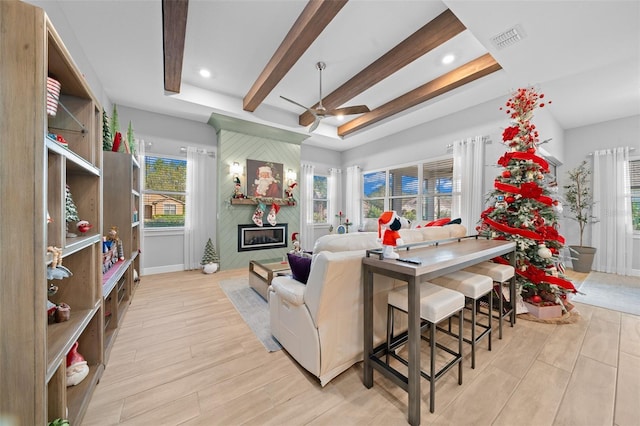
x=436, y=304
x=500, y=274
x=473, y=286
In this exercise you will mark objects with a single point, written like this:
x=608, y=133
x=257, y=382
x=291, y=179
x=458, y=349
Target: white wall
x=162, y=250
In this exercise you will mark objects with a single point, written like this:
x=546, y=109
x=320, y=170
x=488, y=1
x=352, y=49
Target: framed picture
x=264, y=179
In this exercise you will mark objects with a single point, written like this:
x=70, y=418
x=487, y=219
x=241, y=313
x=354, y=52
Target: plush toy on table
x=389, y=223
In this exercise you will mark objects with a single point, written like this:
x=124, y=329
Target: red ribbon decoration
x=519, y=155
x=527, y=190
x=537, y=276
x=510, y=230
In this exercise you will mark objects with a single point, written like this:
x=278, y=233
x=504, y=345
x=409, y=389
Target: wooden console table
x=437, y=258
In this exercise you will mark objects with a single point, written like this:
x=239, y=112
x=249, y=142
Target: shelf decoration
x=53, y=96
x=71, y=211
x=77, y=368
x=107, y=137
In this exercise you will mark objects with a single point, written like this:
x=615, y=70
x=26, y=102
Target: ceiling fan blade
x=315, y=124
x=356, y=109
x=296, y=103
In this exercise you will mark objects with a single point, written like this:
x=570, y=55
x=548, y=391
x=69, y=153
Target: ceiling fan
x=321, y=112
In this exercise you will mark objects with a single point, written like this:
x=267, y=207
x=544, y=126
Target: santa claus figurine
x=389, y=223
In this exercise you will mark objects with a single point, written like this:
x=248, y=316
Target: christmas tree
x=523, y=208
x=130, y=140
x=210, y=255
x=107, y=138
x=71, y=211
x=114, y=125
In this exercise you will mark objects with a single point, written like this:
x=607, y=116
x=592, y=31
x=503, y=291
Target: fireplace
x=252, y=237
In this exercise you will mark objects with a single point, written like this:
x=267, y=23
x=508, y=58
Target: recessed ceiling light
x=447, y=59
x=340, y=117
x=205, y=73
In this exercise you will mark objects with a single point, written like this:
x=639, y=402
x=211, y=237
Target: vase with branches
x=579, y=198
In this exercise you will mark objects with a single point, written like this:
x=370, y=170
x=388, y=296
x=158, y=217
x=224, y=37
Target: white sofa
x=320, y=324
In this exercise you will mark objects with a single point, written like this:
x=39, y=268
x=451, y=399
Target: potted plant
x=209, y=259
x=579, y=196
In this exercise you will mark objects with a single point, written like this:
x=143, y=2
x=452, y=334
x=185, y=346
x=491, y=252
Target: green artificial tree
x=107, y=137
x=523, y=208
x=130, y=139
x=114, y=124
x=71, y=211
x=210, y=258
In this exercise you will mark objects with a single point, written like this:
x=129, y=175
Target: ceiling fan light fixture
x=508, y=37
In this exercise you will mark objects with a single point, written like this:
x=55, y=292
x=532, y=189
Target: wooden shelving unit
x=121, y=200
x=33, y=365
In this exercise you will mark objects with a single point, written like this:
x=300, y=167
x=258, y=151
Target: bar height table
x=436, y=258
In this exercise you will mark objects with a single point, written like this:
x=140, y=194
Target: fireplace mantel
x=268, y=201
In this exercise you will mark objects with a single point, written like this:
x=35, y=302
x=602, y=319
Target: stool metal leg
x=389, y=330
x=474, y=310
x=432, y=374
x=460, y=341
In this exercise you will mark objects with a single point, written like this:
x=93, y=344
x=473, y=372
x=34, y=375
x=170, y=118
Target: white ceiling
x=584, y=55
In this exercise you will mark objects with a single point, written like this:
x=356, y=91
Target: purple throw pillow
x=300, y=267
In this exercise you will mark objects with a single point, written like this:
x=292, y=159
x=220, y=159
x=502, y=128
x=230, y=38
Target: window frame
x=146, y=192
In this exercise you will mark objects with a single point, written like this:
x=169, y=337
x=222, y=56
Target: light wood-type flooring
x=184, y=356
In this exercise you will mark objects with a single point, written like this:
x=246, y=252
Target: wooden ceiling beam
x=436, y=32
x=312, y=21
x=471, y=71
x=174, y=29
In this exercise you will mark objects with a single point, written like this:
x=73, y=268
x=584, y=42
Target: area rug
x=253, y=309
x=616, y=292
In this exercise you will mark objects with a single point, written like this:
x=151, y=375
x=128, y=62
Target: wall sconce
x=235, y=169
x=291, y=175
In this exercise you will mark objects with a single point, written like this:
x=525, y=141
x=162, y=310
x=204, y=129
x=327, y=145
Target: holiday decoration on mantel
x=524, y=208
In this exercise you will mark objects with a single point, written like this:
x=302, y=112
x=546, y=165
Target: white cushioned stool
x=473, y=286
x=500, y=274
x=436, y=304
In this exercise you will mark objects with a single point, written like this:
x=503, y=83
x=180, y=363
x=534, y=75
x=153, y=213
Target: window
x=634, y=174
x=165, y=182
x=399, y=189
x=437, y=186
x=320, y=199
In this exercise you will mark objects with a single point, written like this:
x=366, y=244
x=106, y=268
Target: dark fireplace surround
x=253, y=237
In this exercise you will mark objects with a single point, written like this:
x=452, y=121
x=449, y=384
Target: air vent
x=508, y=37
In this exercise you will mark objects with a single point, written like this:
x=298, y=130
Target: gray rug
x=253, y=309
x=617, y=292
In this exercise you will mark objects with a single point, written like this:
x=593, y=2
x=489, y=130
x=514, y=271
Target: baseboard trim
x=162, y=269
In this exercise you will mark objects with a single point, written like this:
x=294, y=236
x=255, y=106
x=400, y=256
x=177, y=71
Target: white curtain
x=353, y=190
x=468, y=176
x=334, y=194
x=613, y=233
x=199, y=223
x=306, y=236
